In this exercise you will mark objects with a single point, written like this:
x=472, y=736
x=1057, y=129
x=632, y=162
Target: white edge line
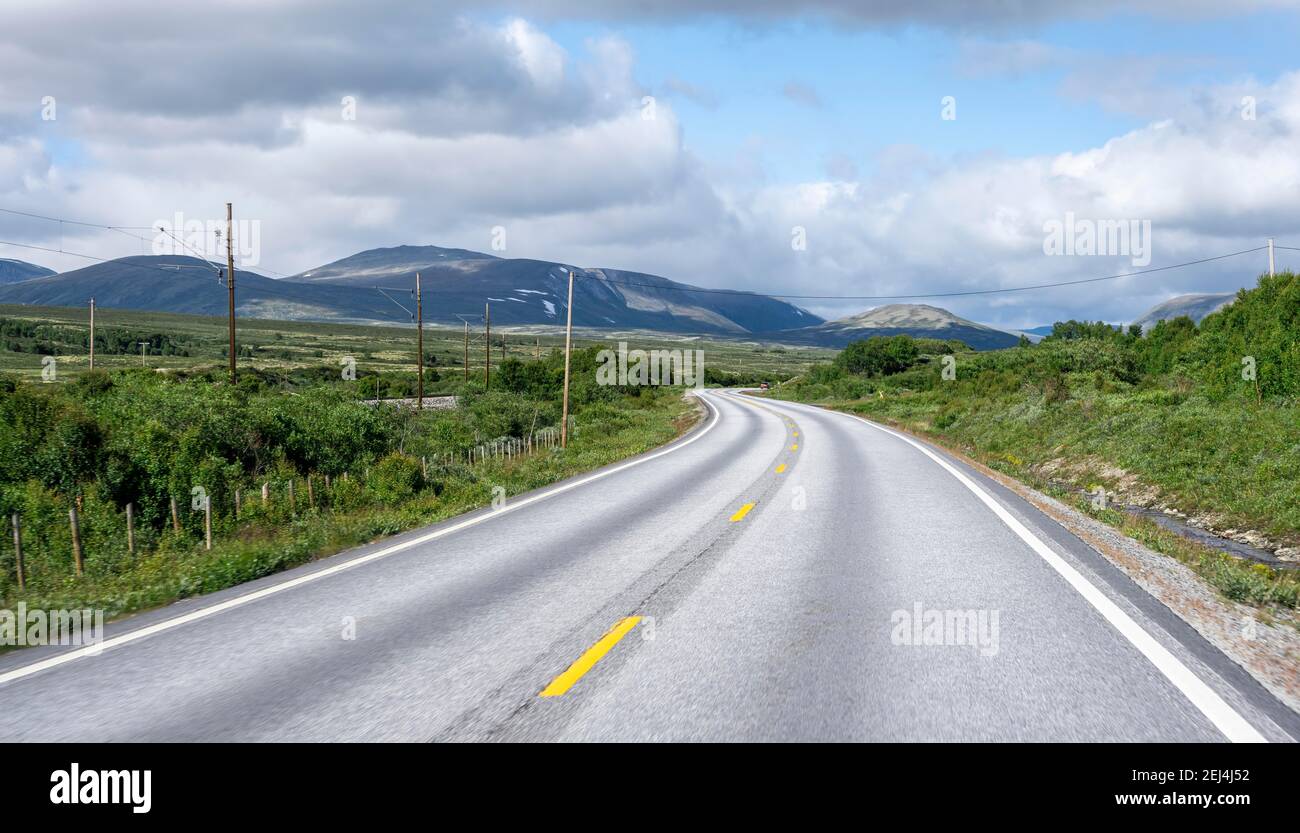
x=1207, y=700
x=203, y=613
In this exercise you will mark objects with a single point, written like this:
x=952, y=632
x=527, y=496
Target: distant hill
x=917, y=320
x=186, y=284
x=364, y=268
x=524, y=291
x=521, y=292
x=15, y=271
x=1195, y=307
x=1034, y=334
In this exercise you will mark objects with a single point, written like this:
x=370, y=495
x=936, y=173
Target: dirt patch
x=687, y=420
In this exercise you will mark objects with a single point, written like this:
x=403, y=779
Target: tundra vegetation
x=1202, y=420
x=339, y=471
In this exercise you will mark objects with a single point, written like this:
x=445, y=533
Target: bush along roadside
x=1199, y=421
x=272, y=478
x=1237, y=579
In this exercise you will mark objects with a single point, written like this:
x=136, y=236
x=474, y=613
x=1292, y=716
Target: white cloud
x=541, y=56
x=505, y=128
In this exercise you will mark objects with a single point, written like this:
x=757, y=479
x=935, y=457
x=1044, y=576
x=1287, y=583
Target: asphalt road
x=789, y=620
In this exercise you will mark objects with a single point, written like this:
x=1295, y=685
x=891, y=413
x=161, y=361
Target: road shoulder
x=1268, y=652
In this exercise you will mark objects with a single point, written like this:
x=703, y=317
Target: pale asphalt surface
x=774, y=627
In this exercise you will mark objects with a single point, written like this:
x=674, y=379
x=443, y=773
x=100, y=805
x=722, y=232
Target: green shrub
x=878, y=355
x=395, y=478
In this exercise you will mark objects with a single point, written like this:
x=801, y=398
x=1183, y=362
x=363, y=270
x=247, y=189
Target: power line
x=268, y=288
x=925, y=295
x=167, y=268
x=197, y=254
x=383, y=291
x=699, y=290
x=120, y=229
x=63, y=220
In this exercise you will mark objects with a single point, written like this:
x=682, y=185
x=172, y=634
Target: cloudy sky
x=697, y=139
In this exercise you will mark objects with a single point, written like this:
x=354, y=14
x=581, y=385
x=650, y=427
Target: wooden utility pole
x=487, y=346
x=466, y=351
x=230, y=282
x=92, y=333
x=419, y=346
x=568, y=341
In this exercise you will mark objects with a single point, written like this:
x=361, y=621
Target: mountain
x=917, y=320
x=16, y=271
x=189, y=285
x=364, y=268
x=1195, y=307
x=1034, y=334
x=453, y=281
x=524, y=291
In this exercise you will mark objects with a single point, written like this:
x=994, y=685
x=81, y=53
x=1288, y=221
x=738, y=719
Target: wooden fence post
x=176, y=517
x=237, y=504
x=311, y=493
x=130, y=528
x=266, y=493
x=18, y=550
x=207, y=522
x=76, y=539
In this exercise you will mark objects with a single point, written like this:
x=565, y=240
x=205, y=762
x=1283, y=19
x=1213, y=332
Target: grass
x=1239, y=460
x=288, y=345
x=1235, y=578
x=178, y=567
x=186, y=426
x=1170, y=444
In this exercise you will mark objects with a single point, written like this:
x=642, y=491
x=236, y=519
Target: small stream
x=1196, y=534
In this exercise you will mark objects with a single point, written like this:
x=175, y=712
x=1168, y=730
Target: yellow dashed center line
x=794, y=447
x=742, y=512
x=566, y=681
x=780, y=468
